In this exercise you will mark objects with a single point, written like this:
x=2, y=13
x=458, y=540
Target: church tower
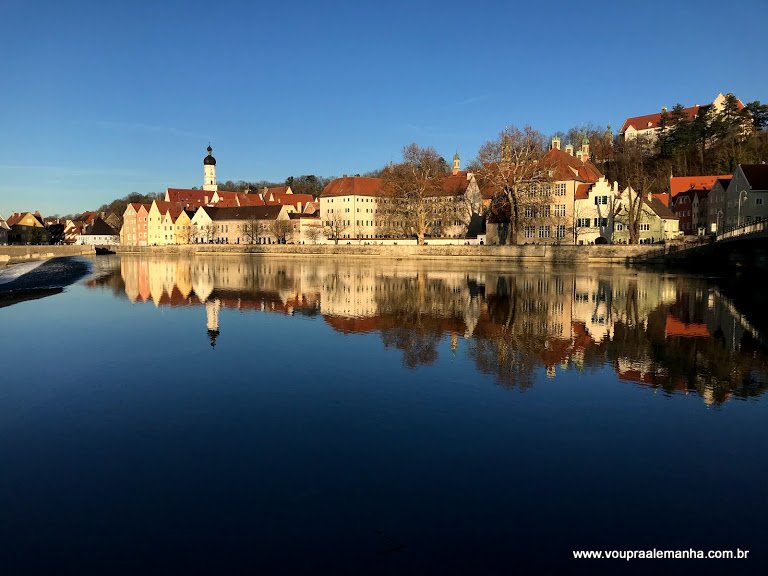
x=456, y=164
x=212, y=308
x=209, y=172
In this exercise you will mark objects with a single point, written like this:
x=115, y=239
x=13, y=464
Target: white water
x=18, y=270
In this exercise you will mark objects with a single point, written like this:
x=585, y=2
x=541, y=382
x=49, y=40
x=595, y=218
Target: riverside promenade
x=608, y=254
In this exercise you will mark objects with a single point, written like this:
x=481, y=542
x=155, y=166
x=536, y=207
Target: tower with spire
x=456, y=164
x=209, y=171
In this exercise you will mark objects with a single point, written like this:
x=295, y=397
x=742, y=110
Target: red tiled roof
x=353, y=185
x=678, y=184
x=652, y=120
x=676, y=327
x=567, y=167
x=455, y=184
x=582, y=191
x=189, y=197
x=662, y=197
x=14, y=218
x=292, y=199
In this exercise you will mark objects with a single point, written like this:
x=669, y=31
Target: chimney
x=569, y=149
x=556, y=143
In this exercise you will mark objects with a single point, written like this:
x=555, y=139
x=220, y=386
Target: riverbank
x=16, y=254
x=608, y=254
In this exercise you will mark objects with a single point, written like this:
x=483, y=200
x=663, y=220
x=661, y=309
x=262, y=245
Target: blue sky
x=99, y=99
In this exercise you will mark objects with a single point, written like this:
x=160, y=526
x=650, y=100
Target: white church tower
x=209, y=172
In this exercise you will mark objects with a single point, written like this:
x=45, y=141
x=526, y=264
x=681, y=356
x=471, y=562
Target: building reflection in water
x=668, y=332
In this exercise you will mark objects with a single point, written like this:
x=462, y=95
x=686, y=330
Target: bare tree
x=512, y=165
x=313, y=234
x=637, y=174
x=253, y=229
x=186, y=234
x=208, y=232
x=414, y=188
x=335, y=226
x=281, y=230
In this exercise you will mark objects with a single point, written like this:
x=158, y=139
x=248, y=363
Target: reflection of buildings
x=661, y=331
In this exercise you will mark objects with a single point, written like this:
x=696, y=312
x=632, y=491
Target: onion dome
x=209, y=160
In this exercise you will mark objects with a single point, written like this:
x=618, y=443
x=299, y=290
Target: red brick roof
x=567, y=167
x=14, y=218
x=676, y=327
x=455, y=184
x=582, y=191
x=353, y=185
x=652, y=120
x=293, y=199
x=678, y=184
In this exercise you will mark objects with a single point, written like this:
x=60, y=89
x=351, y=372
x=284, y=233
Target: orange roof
x=662, y=197
x=353, y=185
x=582, y=191
x=567, y=167
x=679, y=184
x=15, y=217
x=675, y=327
x=294, y=199
x=652, y=120
x=455, y=184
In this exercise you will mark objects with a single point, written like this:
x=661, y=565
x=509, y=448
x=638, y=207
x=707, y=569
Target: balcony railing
x=744, y=229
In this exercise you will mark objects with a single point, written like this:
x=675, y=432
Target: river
x=243, y=414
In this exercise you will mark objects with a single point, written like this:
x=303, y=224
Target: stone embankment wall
x=13, y=254
x=617, y=254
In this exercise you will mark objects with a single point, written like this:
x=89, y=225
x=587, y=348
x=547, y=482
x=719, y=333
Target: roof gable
x=679, y=184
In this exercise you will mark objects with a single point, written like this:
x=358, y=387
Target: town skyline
x=91, y=115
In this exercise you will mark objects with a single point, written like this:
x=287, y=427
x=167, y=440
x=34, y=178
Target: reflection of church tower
x=212, y=308
x=209, y=172
x=454, y=341
x=456, y=164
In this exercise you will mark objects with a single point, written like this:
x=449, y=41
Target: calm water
x=240, y=415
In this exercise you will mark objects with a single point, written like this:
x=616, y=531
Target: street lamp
x=742, y=194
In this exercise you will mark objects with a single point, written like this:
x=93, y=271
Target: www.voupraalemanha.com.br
x=657, y=554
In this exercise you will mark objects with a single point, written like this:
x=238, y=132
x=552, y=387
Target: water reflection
x=666, y=332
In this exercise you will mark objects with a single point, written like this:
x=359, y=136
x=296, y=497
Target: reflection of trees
x=419, y=344
x=672, y=333
x=506, y=359
x=508, y=347
x=419, y=310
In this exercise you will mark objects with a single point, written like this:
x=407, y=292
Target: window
x=645, y=227
x=560, y=231
x=619, y=227
x=582, y=222
x=530, y=212
x=544, y=211
x=543, y=231
x=529, y=231
x=758, y=201
x=601, y=199
x=560, y=189
x=559, y=209
x=601, y=222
